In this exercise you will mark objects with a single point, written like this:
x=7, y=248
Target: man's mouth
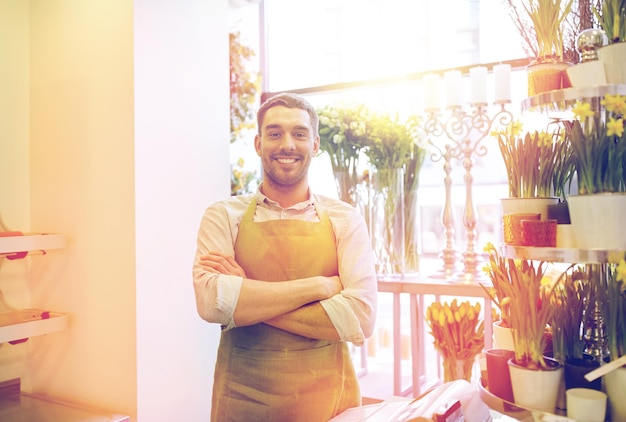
x=286, y=160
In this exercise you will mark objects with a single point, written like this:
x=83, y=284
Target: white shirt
x=352, y=312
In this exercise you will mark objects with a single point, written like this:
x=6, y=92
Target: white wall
x=181, y=156
x=113, y=129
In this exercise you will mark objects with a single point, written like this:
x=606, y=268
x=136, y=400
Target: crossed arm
x=291, y=306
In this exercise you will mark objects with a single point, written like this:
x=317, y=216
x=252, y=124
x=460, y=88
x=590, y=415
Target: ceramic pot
x=612, y=56
x=502, y=337
x=498, y=375
x=597, y=219
x=536, y=389
x=587, y=74
x=615, y=382
x=575, y=370
x=528, y=205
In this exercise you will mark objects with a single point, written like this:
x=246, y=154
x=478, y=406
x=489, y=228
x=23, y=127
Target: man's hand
x=332, y=285
x=219, y=263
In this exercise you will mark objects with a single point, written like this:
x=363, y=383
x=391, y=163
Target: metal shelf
x=563, y=255
x=562, y=99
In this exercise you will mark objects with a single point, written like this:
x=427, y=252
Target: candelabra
x=463, y=131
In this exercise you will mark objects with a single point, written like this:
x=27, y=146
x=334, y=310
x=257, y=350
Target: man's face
x=286, y=145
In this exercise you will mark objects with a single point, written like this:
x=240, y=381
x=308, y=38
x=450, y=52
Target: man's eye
x=274, y=134
x=300, y=135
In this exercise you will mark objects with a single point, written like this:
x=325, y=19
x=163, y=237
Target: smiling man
x=290, y=277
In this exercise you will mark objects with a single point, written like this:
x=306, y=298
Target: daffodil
x=538, y=164
x=615, y=127
x=598, y=143
x=583, y=110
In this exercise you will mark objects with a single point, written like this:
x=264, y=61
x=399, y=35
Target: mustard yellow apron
x=267, y=374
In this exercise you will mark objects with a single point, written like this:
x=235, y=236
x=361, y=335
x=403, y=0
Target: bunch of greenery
x=524, y=296
x=579, y=18
x=344, y=130
x=538, y=164
x=547, y=17
x=570, y=294
x=598, y=145
x=612, y=19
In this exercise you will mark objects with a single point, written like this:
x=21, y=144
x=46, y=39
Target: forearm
x=260, y=301
x=309, y=321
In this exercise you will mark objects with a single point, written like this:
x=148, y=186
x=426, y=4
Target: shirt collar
x=262, y=199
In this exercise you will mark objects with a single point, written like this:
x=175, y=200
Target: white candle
x=431, y=91
x=478, y=85
x=453, y=88
x=502, y=81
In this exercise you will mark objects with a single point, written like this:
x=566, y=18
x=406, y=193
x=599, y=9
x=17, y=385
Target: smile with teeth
x=286, y=160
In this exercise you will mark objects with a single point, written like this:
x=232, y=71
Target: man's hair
x=288, y=100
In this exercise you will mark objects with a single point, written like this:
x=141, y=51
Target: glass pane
x=314, y=43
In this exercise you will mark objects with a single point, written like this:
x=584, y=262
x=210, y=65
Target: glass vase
x=386, y=221
x=457, y=368
x=411, y=231
x=346, y=183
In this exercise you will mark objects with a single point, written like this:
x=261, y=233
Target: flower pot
x=502, y=337
x=612, y=56
x=597, y=220
x=540, y=233
x=536, y=389
x=575, y=370
x=615, y=382
x=527, y=205
x=498, y=375
x=513, y=226
x=545, y=77
x=587, y=74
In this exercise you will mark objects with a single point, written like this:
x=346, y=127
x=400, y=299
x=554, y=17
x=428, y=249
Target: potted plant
x=598, y=144
x=615, y=317
x=612, y=19
x=546, y=71
x=569, y=299
x=538, y=166
x=527, y=297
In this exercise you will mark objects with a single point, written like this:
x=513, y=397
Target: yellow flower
x=614, y=103
x=582, y=110
x=615, y=127
x=621, y=271
x=240, y=162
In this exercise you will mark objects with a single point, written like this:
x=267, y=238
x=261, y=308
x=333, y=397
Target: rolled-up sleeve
x=216, y=295
x=353, y=312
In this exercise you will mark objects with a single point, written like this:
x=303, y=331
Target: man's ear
x=316, y=144
x=257, y=144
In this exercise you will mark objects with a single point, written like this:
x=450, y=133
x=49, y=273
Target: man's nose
x=288, y=142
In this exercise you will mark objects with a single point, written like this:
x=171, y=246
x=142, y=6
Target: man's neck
x=285, y=196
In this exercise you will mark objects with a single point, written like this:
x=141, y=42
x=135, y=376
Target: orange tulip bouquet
x=459, y=336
